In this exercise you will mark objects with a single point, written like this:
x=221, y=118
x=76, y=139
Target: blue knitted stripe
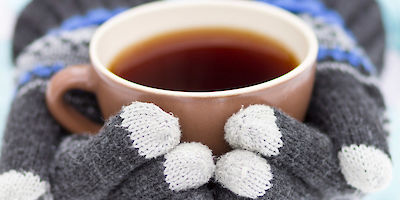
x=39, y=71
x=317, y=9
x=324, y=53
x=91, y=18
x=312, y=7
x=354, y=58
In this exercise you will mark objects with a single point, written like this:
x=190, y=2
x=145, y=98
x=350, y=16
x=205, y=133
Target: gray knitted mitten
x=136, y=155
x=339, y=152
x=140, y=142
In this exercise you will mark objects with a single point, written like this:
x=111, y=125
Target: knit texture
x=190, y=165
x=152, y=131
x=99, y=164
x=41, y=16
x=254, y=128
x=244, y=173
x=21, y=186
x=148, y=182
x=339, y=152
x=364, y=161
x=363, y=18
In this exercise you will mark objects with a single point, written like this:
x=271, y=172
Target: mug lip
x=308, y=62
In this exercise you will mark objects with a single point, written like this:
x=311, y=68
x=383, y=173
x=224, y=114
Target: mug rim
x=291, y=19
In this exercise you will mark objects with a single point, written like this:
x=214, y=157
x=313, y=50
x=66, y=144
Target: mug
x=202, y=115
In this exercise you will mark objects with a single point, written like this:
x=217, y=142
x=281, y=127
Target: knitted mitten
x=276, y=157
x=339, y=152
x=101, y=167
x=135, y=156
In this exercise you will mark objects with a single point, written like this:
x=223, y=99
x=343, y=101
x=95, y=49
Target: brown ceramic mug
x=202, y=115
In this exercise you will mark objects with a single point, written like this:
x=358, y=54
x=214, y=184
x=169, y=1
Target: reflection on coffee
x=207, y=59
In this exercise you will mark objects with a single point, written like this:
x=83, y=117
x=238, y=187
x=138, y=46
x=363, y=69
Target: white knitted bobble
x=254, y=129
x=153, y=131
x=189, y=165
x=365, y=167
x=21, y=186
x=244, y=173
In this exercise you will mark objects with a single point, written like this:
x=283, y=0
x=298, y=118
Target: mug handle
x=72, y=77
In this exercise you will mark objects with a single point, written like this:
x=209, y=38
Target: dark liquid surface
x=204, y=60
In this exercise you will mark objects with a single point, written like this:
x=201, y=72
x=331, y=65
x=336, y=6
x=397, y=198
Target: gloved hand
x=327, y=156
x=41, y=160
x=277, y=157
x=136, y=155
x=339, y=152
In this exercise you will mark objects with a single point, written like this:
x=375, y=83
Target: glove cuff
x=42, y=16
x=364, y=19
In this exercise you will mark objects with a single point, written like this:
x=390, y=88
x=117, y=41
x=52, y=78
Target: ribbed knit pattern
x=363, y=18
x=66, y=48
x=40, y=16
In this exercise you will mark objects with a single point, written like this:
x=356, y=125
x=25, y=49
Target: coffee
x=204, y=60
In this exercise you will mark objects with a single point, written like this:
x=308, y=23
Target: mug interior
x=149, y=20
